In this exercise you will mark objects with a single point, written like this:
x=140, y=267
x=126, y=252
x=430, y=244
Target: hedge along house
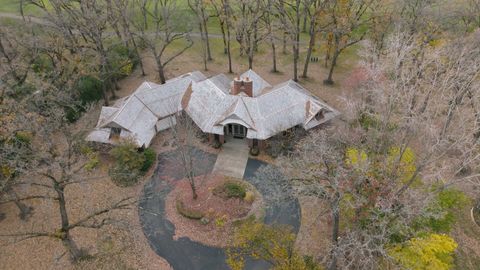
x=139, y=116
x=249, y=107
x=246, y=108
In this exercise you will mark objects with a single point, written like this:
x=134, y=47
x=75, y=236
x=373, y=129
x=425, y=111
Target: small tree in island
x=184, y=132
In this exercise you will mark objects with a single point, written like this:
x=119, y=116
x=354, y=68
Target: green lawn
x=13, y=6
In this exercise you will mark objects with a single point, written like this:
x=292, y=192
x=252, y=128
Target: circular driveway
x=184, y=254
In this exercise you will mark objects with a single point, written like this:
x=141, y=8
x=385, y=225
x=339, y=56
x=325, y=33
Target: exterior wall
x=262, y=144
x=211, y=137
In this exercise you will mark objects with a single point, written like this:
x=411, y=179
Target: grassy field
x=13, y=6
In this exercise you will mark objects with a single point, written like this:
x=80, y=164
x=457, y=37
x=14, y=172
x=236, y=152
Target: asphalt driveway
x=184, y=254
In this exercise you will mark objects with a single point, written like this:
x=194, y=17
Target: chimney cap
x=247, y=79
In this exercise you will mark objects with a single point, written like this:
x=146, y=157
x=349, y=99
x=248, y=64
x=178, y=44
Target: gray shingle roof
x=282, y=107
x=209, y=104
x=144, y=112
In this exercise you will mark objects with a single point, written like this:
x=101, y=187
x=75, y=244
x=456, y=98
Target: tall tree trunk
x=274, y=57
x=250, y=56
x=329, y=50
x=224, y=38
x=104, y=92
x=161, y=72
x=296, y=43
x=335, y=230
x=311, y=43
x=229, y=52
x=295, y=62
x=284, y=39
x=204, y=50
x=305, y=18
x=137, y=53
x=67, y=240
x=205, y=29
x=255, y=37
x=329, y=80
x=71, y=247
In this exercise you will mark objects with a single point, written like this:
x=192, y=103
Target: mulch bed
x=221, y=213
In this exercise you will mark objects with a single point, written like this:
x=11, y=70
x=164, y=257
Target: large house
x=247, y=107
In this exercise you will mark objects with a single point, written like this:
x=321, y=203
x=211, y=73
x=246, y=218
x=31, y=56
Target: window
x=319, y=116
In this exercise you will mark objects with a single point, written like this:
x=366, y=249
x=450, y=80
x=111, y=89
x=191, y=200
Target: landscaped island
x=223, y=203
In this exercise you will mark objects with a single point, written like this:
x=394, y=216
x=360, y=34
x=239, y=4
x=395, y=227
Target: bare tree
x=248, y=28
x=223, y=11
x=161, y=35
x=270, y=24
x=348, y=22
x=199, y=9
x=122, y=14
x=84, y=27
x=18, y=60
x=290, y=15
x=313, y=9
x=184, y=132
x=59, y=165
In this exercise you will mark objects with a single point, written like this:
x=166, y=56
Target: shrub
x=249, y=197
x=23, y=137
x=89, y=89
x=230, y=189
x=128, y=164
x=221, y=221
x=285, y=142
x=433, y=251
x=42, y=64
x=20, y=91
x=254, y=151
x=73, y=113
x=216, y=144
x=92, y=162
x=186, y=212
x=121, y=60
x=442, y=212
x=149, y=155
x=275, y=244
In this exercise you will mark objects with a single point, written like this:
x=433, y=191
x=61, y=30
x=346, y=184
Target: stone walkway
x=233, y=158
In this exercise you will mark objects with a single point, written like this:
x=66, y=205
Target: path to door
x=233, y=158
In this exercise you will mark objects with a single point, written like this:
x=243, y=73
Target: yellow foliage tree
x=274, y=244
x=432, y=252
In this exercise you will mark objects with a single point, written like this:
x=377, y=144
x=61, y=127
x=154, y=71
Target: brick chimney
x=248, y=86
x=245, y=85
x=237, y=86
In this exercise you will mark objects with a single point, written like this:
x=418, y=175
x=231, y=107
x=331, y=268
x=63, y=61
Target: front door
x=238, y=131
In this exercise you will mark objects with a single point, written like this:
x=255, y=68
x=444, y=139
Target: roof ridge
x=146, y=106
x=248, y=112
